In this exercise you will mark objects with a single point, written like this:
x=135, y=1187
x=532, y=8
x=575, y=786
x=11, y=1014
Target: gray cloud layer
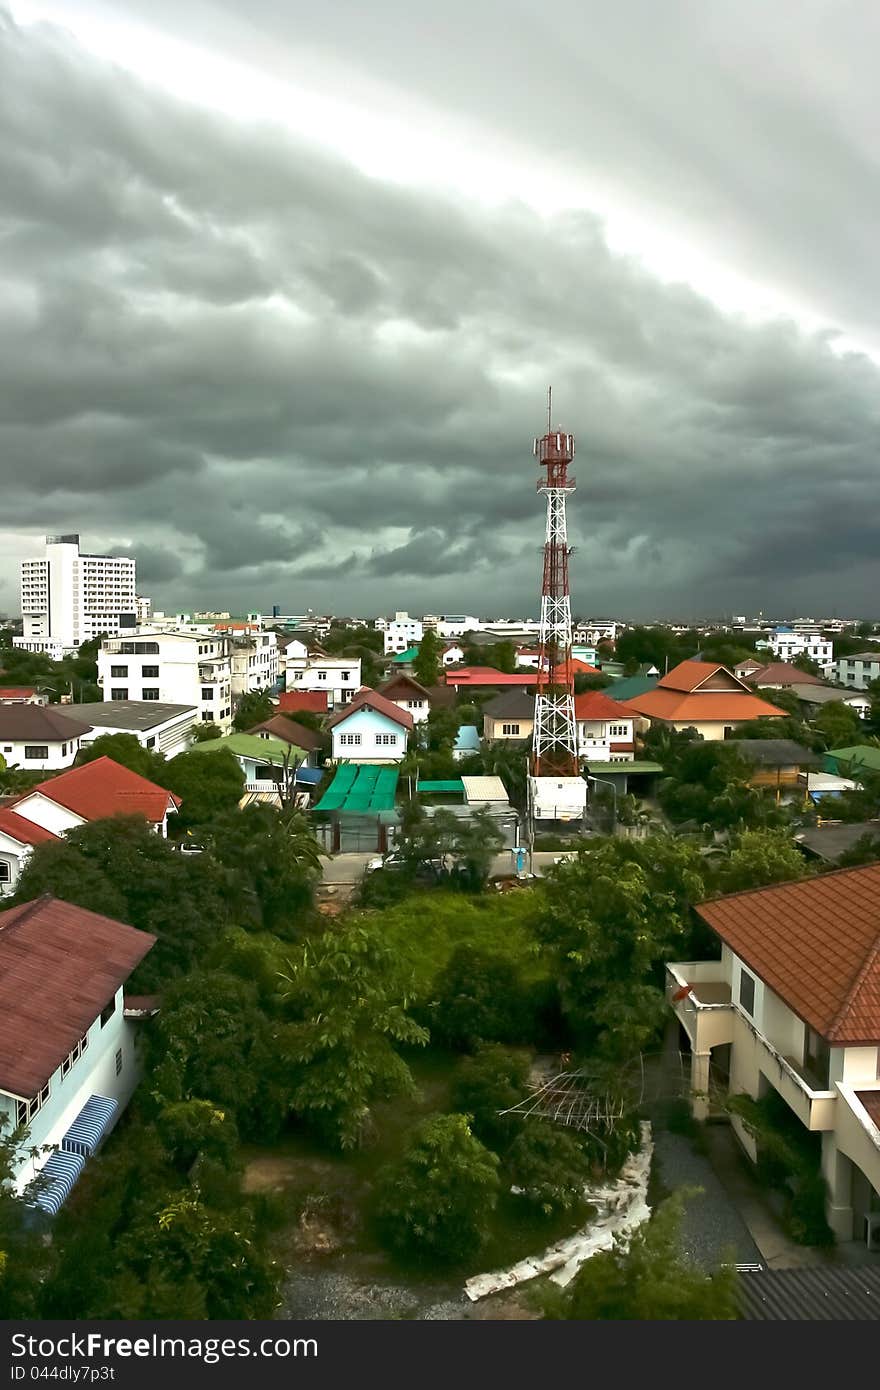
x=278, y=380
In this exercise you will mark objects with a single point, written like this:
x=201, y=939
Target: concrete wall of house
x=59, y=754
x=94, y=1073
x=595, y=737
x=191, y=669
x=41, y=811
x=169, y=738
x=379, y=739
x=13, y=857
x=517, y=730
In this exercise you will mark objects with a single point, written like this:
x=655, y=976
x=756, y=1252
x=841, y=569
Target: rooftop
x=829, y=842
x=859, y=755
x=22, y=830
x=260, y=750
x=134, y=715
x=289, y=731
x=40, y=724
x=105, y=788
x=370, y=699
x=511, y=704
x=313, y=700
x=816, y=943
x=776, y=752
x=781, y=673
x=59, y=966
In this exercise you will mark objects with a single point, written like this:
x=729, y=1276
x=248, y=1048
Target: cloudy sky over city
x=283, y=286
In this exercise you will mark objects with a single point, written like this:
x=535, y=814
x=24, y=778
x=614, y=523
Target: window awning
x=57, y=1177
x=90, y=1126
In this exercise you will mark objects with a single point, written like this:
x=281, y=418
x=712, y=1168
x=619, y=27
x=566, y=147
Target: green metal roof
x=403, y=658
x=630, y=686
x=364, y=789
x=454, y=784
x=261, y=750
x=861, y=754
x=601, y=768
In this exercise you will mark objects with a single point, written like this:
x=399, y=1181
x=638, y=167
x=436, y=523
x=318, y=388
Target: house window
x=150, y=693
x=617, y=730
x=119, y=693
x=207, y=693
x=108, y=1011
x=119, y=1061
x=387, y=740
x=151, y=742
x=148, y=672
x=510, y=728
x=74, y=1054
x=747, y=992
x=351, y=740
x=207, y=716
x=322, y=675
x=5, y=872
x=36, y=750
x=346, y=675
x=118, y=672
x=25, y=1110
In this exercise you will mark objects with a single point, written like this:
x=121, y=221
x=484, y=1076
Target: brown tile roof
x=782, y=673
x=816, y=943
x=39, y=724
x=59, y=966
x=871, y=1101
x=105, y=788
x=369, y=699
x=407, y=686
x=314, y=700
x=290, y=732
x=24, y=831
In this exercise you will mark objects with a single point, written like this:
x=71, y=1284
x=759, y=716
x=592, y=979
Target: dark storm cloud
x=276, y=378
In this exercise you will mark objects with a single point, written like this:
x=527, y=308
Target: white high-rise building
x=68, y=598
x=173, y=667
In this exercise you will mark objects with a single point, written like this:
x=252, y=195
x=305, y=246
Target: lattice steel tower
x=554, y=747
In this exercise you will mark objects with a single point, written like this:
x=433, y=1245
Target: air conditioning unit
x=872, y=1230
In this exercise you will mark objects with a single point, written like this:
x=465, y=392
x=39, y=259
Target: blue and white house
x=371, y=729
x=68, y=1044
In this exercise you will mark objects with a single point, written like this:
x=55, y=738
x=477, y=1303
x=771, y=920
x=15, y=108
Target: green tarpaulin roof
x=455, y=784
x=364, y=790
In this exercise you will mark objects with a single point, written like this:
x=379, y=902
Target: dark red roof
x=290, y=732
x=816, y=943
x=784, y=674
x=871, y=1101
x=405, y=684
x=24, y=831
x=105, y=788
x=59, y=966
x=314, y=700
x=369, y=699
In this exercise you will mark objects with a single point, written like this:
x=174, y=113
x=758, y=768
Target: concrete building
x=370, y=730
x=456, y=625
x=338, y=677
x=17, y=839
x=606, y=728
x=401, y=632
x=793, y=1006
x=172, y=666
x=786, y=643
x=22, y=695
x=39, y=738
x=166, y=728
x=510, y=716
x=68, y=1048
x=254, y=663
x=68, y=598
x=858, y=671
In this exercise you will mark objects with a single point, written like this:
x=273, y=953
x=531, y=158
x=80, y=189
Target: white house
x=793, y=1006
x=95, y=791
x=17, y=839
x=402, y=632
x=254, y=663
x=407, y=694
x=22, y=695
x=68, y=598
x=172, y=666
x=68, y=1053
x=39, y=738
x=606, y=728
x=452, y=655
x=786, y=644
x=857, y=672
x=592, y=631
x=456, y=625
x=166, y=728
x=337, y=676
x=370, y=729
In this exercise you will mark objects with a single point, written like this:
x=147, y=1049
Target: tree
x=436, y=1200
x=760, y=858
x=475, y=843
x=480, y=997
x=346, y=998
x=649, y=1280
x=484, y=1086
x=504, y=657
x=206, y=732
x=277, y=854
x=126, y=750
x=254, y=707
x=25, y=1256
x=207, y=783
x=428, y=662
x=550, y=1165
x=837, y=725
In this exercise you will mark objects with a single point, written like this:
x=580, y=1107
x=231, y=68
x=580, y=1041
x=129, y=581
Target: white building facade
x=255, y=663
x=339, y=677
x=68, y=598
x=175, y=667
x=786, y=643
x=858, y=671
x=402, y=632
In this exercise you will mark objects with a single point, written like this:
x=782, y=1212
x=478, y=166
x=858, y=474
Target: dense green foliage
x=550, y=1165
x=491, y=1081
x=129, y=752
x=427, y=664
x=789, y=1159
x=255, y=707
x=207, y=784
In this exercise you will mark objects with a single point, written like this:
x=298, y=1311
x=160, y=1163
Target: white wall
x=191, y=669
x=59, y=754
x=13, y=857
x=371, y=729
x=41, y=811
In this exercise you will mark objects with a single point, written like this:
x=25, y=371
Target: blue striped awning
x=90, y=1126
x=57, y=1177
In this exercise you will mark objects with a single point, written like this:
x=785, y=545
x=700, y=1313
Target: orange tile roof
x=687, y=675
x=59, y=966
x=816, y=943
x=595, y=704
x=105, y=788
x=681, y=707
x=24, y=831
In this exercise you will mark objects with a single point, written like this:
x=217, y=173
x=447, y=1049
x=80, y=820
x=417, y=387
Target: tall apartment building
x=174, y=667
x=68, y=598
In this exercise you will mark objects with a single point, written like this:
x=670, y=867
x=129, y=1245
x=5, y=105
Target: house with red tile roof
x=793, y=1007
x=406, y=692
x=95, y=791
x=776, y=675
x=487, y=678
x=22, y=695
x=68, y=1061
x=17, y=839
x=370, y=729
x=606, y=728
x=703, y=696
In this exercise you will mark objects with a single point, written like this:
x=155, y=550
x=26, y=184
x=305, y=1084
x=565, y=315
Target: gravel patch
x=712, y=1226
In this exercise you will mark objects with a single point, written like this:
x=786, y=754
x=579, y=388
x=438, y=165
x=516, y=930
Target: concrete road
x=347, y=869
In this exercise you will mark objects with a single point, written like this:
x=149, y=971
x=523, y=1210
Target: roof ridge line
x=856, y=985
x=27, y=909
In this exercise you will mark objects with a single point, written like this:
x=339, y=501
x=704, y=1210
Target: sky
x=283, y=285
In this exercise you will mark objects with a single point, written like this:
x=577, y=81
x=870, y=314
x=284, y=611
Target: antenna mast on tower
x=554, y=747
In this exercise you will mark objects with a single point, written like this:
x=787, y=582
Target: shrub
x=484, y=1085
x=551, y=1166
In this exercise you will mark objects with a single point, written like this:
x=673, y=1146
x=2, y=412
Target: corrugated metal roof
x=484, y=789
x=817, y=1293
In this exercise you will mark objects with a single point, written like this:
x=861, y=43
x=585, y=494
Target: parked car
x=189, y=847
x=393, y=862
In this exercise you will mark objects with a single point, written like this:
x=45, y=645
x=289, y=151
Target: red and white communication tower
x=558, y=790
